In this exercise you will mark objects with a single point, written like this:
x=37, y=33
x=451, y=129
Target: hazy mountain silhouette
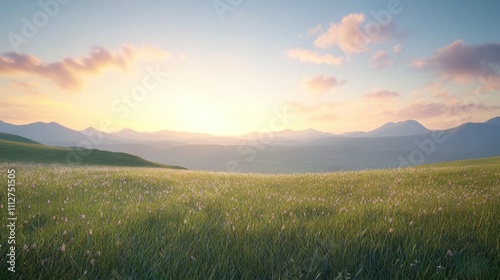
x=288, y=150
x=471, y=140
x=391, y=129
x=52, y=134
x=174, y=137
x=495, y=120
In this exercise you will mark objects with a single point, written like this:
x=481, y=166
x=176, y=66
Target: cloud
x=463, y=63
x=352, y=36
x=25, y=86
x=321, y=83
x=380, y=60
x=421, y=110
x=324, y=118
x=436, y=89
x=398, y=48
x=299, y=107
x=427, y=110
x=313, y=57
x=69, y=72
x=315, y=30
x=22, y=112
x=381, y=94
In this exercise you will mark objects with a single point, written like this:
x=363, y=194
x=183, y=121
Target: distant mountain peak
x=127, y=130
x=89, y=129
x=47, y=124
x=407, y=122
x=402, y=128
x=495, y=120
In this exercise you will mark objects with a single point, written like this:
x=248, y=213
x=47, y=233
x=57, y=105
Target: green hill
x=482, y=162
x=16, y=138
x=15, y=148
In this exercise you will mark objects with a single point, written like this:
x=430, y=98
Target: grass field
x=89, y=222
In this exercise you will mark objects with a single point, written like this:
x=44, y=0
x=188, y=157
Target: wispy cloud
x=69, y=72
x=21, y=112
x=313, y=57
x=350, y=37
x=381, y=60
x=300, y=107
x=428, y=110
x=463, y=63
x=321, y=83
x=313, y=31
x=434, y=91
x=324, y=118
x=398, y=48
x=381, y=94
x=28, y=87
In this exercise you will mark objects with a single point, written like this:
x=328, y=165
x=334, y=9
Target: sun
x=201, y=115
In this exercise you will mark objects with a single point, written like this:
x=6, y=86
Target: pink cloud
x=68, y=73
x=436, y=90
x=324, y=118
x=313, y=57
x=380, y=60
x=321, y=83
x=25, y=86
x=433, y=87
x=426, y=110
x=353, y=36
x=21, y=112
x=421, y=110
x=398, y=48
x=298, y=107
x=381, y=94
x=463, y=63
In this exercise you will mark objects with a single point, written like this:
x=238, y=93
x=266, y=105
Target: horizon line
x=244, y=134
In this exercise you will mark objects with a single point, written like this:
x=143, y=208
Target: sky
x=229, y=67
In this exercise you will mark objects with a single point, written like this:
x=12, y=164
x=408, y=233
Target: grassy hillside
x=493, y=162
x=438, y=222
x=16, y=138
x=14, y=148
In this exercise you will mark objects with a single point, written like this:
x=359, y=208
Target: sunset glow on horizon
x=227, y=68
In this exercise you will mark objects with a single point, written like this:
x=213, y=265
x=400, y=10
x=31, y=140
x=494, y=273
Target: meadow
x=96, y=222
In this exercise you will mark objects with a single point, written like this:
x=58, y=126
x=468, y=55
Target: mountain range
x=389, y=146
